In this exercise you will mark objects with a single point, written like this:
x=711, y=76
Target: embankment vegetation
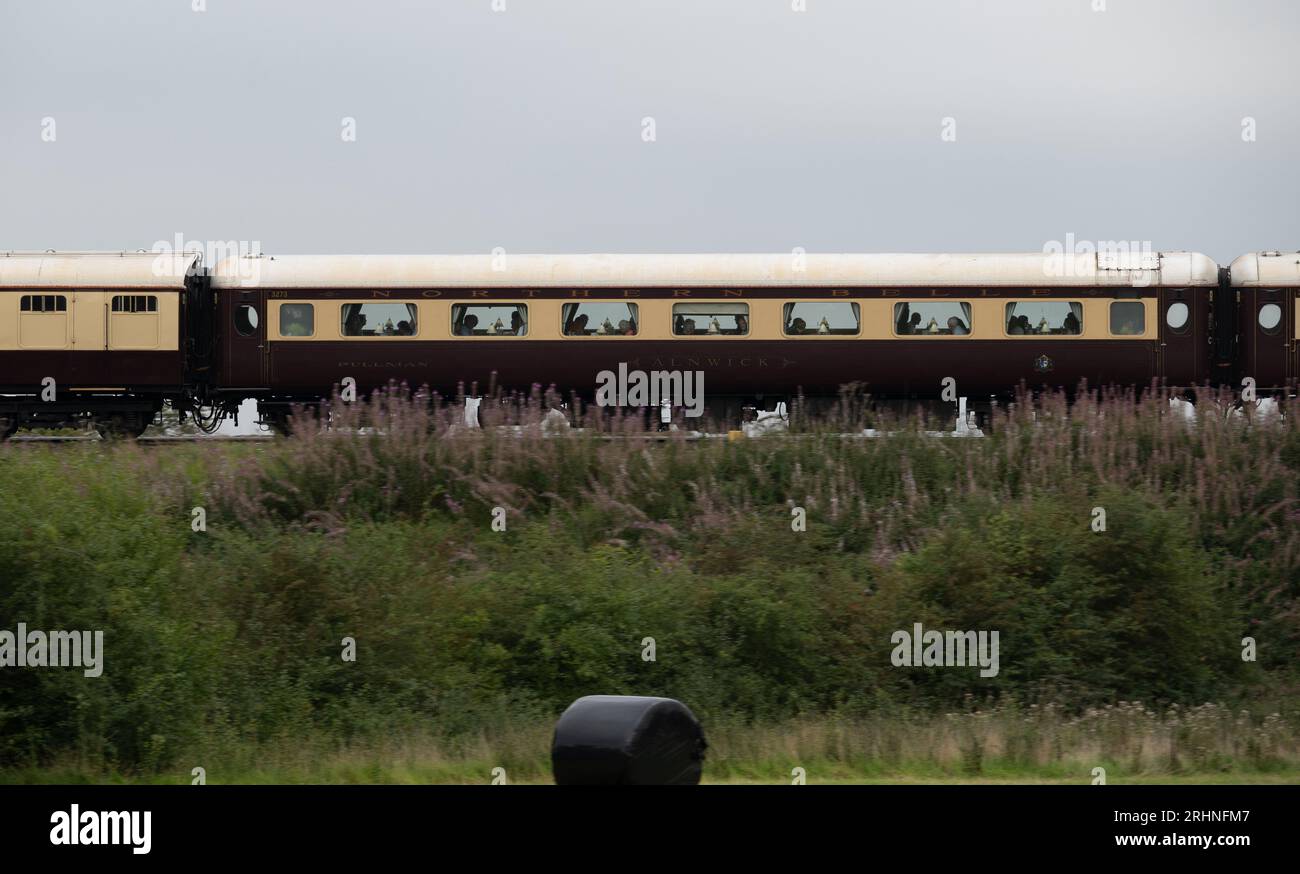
x=1119, y=648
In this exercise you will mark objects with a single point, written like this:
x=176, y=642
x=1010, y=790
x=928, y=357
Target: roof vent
x=1120, y=260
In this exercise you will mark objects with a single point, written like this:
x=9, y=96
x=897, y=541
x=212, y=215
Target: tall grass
x=374, y=522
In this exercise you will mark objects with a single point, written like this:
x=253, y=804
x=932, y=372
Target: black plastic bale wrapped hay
x=627, y=740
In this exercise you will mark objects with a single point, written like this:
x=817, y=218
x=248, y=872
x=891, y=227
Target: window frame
x=856, y=307
x=1083, y=321
x=1187, y=322
x=60, y=304
x=1281, y=318
x=1110, y=306
x=635, y=305
x=672, y=319
x=151, y=305
x=234, y=318
x=893, y=320
x=451, y=320
x=279, y=320
x=350, y=337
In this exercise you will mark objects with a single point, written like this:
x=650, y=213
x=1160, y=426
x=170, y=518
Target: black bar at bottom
x=534, y=823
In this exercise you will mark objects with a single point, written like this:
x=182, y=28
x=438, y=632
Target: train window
x=379, y=319
x=821, y=318
x=135, y=303
x=245, y=319
x=43, y=303
x=611, y=319
x=43, y=322
x=489, y=319
x=1038, y=317
x=1270, y=318
x=297, y=319
x=1176, y=316
x=710, y=319
x=932, y=318
x=1128, y=317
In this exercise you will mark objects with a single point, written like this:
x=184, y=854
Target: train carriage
x=756, y=326
x=1267, y=294
x=95, y=337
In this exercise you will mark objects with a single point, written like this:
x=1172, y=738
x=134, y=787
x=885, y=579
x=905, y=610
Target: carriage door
x=1183, y=318
x=1271, y=322
x=244, y=316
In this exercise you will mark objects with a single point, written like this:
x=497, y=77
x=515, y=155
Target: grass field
x=224, y=641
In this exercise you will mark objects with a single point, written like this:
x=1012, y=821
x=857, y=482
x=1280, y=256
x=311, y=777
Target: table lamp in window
x=714, y=327
x=933, y=327
x=823, y=327
x=1042, y=325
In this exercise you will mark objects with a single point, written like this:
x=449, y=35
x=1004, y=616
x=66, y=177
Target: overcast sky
x=773, y=129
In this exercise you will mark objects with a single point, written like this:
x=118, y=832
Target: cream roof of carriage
x=783, y=269
x=95, y=269
x=1266, y=269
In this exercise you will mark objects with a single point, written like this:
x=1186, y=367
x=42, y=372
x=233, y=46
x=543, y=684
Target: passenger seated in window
x=742, y=325
x=957, y=326
x=1025, y=327
x=404, y=329
x=625, y=328
x=356, y=322
x=798, y=326
x=904, y=325
x=688, y=326
x=517, y=323
x=1014, y=326
x=578, y=327
x=914, y=326
x=1071, y=324
x=468, y=324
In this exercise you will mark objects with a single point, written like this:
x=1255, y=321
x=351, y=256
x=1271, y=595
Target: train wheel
x=280, y=423
x=125, y=426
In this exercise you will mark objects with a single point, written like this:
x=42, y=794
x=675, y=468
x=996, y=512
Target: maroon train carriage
x=759, y=327
x=95, y=337
x=1266, y=287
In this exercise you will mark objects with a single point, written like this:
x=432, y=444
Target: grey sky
x=775, y=128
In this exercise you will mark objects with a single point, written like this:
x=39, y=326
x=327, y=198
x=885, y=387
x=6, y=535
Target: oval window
x=1270, y=317
x=1176, y=316
x=245, y=319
